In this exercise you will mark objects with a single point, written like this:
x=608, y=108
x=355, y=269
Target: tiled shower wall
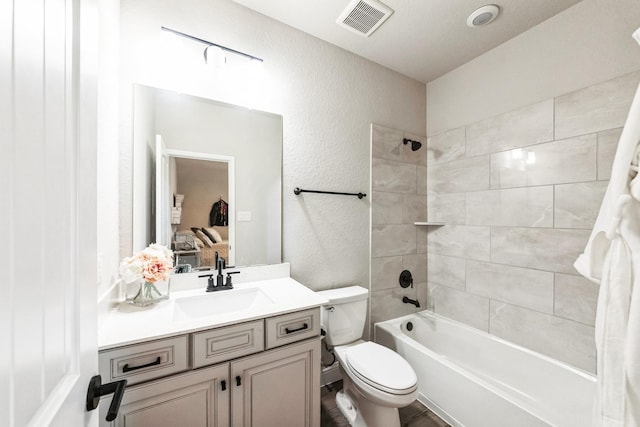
x=519, y=194
x=398, y=199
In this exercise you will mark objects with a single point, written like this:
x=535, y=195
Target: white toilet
x=377, y=381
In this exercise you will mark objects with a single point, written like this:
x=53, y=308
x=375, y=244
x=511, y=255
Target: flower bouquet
x=146, y=275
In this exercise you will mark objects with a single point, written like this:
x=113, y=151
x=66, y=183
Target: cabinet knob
x=238, y=381
x=223, y=385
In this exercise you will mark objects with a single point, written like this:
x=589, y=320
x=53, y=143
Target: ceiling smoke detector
x=483, y=16
x=364, y=16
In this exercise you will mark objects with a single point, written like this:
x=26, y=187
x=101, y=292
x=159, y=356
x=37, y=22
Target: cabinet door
x=278, y=388
x=195, y=399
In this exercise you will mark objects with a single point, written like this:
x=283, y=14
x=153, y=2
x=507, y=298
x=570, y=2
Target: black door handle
x=223, y=385
x=126, y=367
x=97, y=390
x=301, y=328
x=238, y=381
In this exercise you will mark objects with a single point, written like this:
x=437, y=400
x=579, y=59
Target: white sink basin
x=219, y=303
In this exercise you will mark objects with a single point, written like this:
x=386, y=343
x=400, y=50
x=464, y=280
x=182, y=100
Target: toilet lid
x=381, y=368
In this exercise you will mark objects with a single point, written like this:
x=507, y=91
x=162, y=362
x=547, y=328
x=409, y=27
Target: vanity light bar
x=208, y=43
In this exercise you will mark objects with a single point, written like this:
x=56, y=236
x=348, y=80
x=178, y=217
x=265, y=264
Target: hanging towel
x=612, y=258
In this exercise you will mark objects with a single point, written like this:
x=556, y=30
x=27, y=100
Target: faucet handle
x=229, y=273
x=210, y=284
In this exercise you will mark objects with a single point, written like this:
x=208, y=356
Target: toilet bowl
x=376, y=380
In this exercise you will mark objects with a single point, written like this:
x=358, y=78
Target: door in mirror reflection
x=196, y=199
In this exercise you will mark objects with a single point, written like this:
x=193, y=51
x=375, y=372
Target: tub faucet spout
x=408, y=300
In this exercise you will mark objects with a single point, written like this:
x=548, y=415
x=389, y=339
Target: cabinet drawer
x=146, y=361
x=229, y=342
x=292, y=327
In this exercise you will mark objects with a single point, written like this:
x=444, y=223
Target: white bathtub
x=473, y=379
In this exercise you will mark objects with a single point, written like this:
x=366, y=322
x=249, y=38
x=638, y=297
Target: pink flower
x=152, y=264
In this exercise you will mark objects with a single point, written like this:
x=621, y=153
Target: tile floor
x=414, y=415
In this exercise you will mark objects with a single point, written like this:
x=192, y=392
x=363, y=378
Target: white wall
x=107, y=150
x=327, y=96
x=586, y=44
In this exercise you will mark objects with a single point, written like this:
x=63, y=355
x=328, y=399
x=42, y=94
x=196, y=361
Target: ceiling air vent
x=364, y=16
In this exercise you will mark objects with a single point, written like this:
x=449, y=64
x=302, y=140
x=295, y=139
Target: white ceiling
x=423, y=39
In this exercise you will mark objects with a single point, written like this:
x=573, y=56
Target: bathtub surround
x=613, y=262
x=398, y=199
x=529, y=183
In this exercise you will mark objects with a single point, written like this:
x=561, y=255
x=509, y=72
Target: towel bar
x=297, y=191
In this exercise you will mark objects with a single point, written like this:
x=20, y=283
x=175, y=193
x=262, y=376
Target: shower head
x=415, y=145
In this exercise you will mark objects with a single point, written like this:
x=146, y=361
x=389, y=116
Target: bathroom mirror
x=203, y=128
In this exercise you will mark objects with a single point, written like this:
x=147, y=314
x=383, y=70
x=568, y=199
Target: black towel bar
x=297, y=191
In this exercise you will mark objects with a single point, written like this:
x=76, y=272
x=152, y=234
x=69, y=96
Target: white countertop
x=128, y=324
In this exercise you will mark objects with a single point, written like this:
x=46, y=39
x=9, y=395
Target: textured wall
x=519, y=193
x=588, y=43
x=327, y=96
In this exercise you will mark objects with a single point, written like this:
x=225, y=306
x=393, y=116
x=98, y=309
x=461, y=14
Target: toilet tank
x=343, y=318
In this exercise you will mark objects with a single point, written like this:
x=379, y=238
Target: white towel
x=612, y=257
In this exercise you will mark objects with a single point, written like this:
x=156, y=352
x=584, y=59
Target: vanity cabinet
x=278, y=388
x=197, y=398
x=230, y=379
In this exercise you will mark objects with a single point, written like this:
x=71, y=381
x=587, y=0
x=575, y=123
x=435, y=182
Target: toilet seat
x=381, y=368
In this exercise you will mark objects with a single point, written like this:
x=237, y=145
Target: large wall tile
x=577, y=205
x=386, y=143
x=528, y=207
x=385, y=272
x=539, y=248
x=527, y=126
x=461, y=306
x=558, y=162
x=460, y=175
x=422, y=292
x=446, y=271
x=422, y=233
x=460, y=240
x=417, y=265
x=418, y=157
x=599, y=107
x=393, y=176
x=446, y=207
x=565, y=340
x=386, y=208
x=446, y=146
x=390, y=240
x=421, y=180
x=519, y=286
x=414, y=208
x=607, y=145
x=576, y=298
